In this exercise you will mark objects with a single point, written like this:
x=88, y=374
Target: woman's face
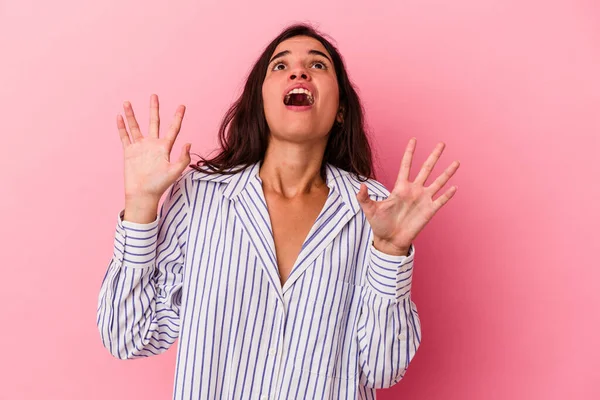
x=307, y=112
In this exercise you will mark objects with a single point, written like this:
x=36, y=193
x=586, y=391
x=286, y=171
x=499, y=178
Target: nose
x=303, y=75
x=299, y=71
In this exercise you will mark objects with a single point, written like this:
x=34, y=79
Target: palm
x=148, y=167
x=398, y=219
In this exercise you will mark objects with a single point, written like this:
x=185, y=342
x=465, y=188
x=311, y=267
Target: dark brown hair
x=244, y=132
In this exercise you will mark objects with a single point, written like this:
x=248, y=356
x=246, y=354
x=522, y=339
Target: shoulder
x=186, y=184
x=198, y=174
x=227, y=183
x=181, y=187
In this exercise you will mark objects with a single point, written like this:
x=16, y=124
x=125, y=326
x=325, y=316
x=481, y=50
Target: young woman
x=281, y=264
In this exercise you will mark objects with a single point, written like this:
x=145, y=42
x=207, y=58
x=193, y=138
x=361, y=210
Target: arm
x=389, y=330
x=140, y=295
x=389, y=327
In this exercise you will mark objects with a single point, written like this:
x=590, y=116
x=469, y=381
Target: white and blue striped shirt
x=205, y=272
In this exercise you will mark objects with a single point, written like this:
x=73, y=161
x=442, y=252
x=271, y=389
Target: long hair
x=244, y=131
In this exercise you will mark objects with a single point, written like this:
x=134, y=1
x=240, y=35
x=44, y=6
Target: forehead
x=298, y=45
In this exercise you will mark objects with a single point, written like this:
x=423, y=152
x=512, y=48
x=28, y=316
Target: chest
x=291, y=222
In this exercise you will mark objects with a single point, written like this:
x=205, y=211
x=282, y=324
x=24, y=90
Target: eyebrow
x=286, y=52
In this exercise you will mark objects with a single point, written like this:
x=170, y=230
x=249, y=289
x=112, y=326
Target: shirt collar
x=341, y=181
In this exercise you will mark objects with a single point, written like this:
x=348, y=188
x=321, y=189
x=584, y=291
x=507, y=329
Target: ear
x=340, y=115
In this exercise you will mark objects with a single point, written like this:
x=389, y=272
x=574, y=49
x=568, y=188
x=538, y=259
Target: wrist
x=390, y=248
x=141, y=210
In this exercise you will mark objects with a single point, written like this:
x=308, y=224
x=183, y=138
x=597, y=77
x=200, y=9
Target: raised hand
x=397, y=220
x=148, y=170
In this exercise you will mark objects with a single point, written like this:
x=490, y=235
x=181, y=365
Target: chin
x=295, y=135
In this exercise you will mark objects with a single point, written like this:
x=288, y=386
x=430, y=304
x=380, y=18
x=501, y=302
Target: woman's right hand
x=148, y=170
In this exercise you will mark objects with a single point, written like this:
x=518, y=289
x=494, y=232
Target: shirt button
x=400, y=336
x=272, y=352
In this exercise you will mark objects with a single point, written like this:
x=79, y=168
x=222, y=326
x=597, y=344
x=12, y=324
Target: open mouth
x=299, y=97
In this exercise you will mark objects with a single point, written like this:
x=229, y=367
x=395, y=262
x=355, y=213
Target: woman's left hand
x=397, y=220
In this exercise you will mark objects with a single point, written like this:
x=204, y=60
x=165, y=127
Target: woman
x=281, y=265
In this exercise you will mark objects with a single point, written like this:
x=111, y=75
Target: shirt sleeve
x=140, y=295
x=389, y=330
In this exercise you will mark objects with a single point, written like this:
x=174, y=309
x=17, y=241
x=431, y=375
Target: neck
x=292, y=169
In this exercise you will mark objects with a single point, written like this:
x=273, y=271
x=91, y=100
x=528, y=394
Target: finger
x=444, y=177
x=365, y=201
x=154, y=127
x=134, y=128
x=443, y=199
x=123, y=131
x=406, y=161
x=176, y=124
x=430, y=163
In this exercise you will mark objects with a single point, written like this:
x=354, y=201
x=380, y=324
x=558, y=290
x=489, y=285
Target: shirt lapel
x=251, y=208
x=340, y=207
x=244, y=191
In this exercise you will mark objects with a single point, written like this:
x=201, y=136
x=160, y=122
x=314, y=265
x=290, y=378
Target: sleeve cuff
x=390, y=275
x=135, y=244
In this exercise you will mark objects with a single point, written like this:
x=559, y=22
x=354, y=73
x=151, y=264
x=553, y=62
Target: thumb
x=367, y=205
x=184, y=158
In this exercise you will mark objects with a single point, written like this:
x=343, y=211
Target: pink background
x=507, y=273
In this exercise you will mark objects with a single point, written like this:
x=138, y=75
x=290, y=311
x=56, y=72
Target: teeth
x=299, y=91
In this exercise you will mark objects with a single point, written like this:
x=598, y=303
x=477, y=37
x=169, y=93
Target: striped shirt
x=205, y=272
